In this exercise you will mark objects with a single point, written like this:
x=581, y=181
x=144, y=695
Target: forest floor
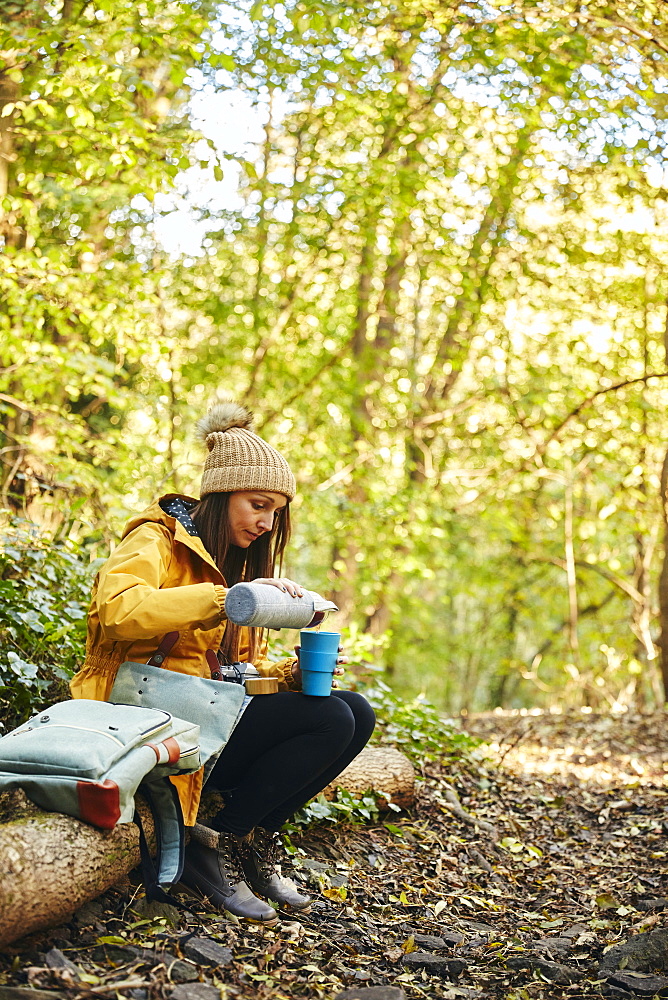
x=428, y=904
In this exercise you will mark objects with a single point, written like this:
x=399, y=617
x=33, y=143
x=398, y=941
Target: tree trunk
x=455, y=343
x=571, y=577
x=662, y=641
x=9, y=92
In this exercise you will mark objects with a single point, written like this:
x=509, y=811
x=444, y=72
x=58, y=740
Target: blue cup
x=317, y=659
x=320, y=642
x=316, y=684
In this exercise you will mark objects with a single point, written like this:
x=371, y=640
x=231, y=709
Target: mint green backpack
x=89, y=758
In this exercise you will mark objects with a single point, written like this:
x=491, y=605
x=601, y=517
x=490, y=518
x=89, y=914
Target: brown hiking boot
x=212, y=869
x=260, y=856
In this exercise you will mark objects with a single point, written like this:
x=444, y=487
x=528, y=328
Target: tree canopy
x=441, y=288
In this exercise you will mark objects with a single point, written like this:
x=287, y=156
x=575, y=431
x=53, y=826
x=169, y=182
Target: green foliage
x=93, y=124
x=344, y=807
x=416, y=728
x=44, y=596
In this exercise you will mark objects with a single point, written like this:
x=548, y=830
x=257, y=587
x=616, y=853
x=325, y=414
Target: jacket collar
x=155, y=514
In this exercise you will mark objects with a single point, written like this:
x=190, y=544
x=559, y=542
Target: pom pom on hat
x=222, y=416
x=238, y=458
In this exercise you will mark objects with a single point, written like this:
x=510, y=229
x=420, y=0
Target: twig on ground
x=512, y=744
x=126, y=984
x=479, y=858
x=454, y=805
x=650, y=921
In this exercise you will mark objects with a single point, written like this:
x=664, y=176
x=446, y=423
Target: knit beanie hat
x=238, y=459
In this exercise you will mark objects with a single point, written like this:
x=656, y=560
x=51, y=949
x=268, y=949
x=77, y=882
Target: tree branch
x=607, y=574
x=604, y=22
x=590, y=399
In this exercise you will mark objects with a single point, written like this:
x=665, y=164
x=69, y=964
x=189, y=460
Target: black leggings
x=284, y=750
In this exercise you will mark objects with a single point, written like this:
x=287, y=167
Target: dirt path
x=429, y=904
x=628, y=750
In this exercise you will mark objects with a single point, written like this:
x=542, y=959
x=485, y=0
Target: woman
x=170, y=574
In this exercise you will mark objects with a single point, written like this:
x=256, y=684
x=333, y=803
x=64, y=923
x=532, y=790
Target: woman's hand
x=287, y=586
x=338, y=670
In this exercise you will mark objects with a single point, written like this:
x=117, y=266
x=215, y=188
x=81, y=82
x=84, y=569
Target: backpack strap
x=164, y=649
x=149, y=874
x=167, y=867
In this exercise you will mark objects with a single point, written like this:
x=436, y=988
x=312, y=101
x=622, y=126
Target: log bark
x=51, y=864
x=379, y=769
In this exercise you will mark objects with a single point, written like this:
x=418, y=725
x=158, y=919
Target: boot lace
x=269, y=851
x=230, y=856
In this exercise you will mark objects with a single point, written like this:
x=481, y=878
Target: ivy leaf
x=27, y=672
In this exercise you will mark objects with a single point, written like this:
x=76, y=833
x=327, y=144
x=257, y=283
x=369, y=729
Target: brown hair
x=258, y=560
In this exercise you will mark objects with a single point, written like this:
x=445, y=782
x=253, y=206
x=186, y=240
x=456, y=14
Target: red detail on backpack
x=99, y=803
x=173, y=749
x=156, y=750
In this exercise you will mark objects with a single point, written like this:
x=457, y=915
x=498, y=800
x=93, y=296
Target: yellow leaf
x=337, y=893
x=89, y=978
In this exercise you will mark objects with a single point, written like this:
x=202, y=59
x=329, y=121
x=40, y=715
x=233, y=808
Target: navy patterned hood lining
x=180, y=509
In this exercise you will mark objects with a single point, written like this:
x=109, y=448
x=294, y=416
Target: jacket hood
x=155, y=514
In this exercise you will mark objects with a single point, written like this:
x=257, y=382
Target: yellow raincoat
x=160, y=579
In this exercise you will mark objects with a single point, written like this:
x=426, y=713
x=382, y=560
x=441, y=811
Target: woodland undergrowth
x=572, y=859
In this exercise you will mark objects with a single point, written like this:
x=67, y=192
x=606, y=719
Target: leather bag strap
x=164, y=649
x=213, y=665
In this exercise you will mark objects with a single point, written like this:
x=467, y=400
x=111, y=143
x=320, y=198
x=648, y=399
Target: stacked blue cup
x=317, y=658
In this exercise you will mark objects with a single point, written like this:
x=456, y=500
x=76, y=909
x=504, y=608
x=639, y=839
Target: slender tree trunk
x=8, y=94
x=344, y=561
x=571, y=579
x=663, y=576
x=642, y=611
x=476, y=271
x=11, y=231
x=260, y=334
x=645, y=652
x=15, y=421
x=663, y=582
x=173, y=419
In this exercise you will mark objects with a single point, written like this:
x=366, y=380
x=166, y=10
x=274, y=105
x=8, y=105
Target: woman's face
x=251, y=514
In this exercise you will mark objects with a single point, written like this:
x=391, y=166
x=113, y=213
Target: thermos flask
x=262, y=606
